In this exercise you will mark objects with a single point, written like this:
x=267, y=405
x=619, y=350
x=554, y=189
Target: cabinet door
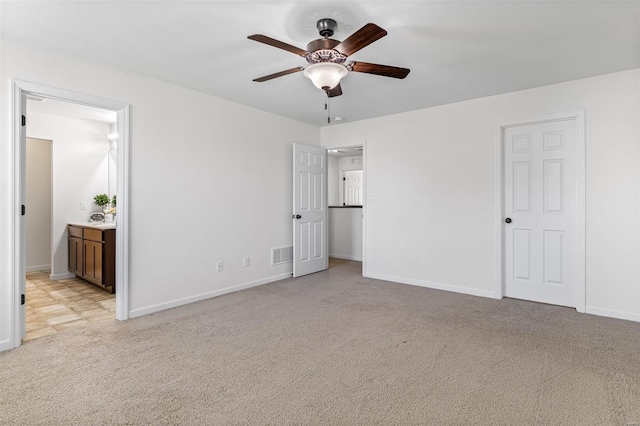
x=71, y=255
x=93, y=262
x=75, y=256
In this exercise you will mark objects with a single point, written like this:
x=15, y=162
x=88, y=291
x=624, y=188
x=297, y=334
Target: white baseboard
x=612, y=313
x=63, y=276
x=341, y=256
x=5, y=345
x=437, y=286
x=38, y=268
x=186, y=300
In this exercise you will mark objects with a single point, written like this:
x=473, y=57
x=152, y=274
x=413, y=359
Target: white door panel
x=309, y=210
x=352, y=187
x=541, y=245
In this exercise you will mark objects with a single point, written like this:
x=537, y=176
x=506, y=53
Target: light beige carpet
x=330, y=349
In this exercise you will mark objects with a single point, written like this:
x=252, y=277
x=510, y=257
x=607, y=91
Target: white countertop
x=95, y=225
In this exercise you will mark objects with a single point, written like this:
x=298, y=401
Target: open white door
x=309, y=210
x=21, y=197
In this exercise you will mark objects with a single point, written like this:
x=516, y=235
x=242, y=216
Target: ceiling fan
x=327, y=57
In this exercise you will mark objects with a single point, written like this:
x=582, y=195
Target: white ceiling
x=69, y=109
x=456, y=50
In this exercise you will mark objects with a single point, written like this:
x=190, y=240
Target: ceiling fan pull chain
x=327, y=106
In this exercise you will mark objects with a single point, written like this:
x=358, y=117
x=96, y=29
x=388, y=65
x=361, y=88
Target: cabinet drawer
x=93, y=235
x=74, y=231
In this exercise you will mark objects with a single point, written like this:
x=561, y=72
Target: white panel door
x=541, y=215
x=309, y=210
x=352, y=188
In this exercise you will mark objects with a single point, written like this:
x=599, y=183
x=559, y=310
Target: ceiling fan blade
x=361, y=38
x=276, y=43
x=278, y=74
x=336, y=91
x=383, y=70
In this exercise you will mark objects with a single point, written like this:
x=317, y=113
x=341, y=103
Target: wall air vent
x=281, y=255
x=356, y=160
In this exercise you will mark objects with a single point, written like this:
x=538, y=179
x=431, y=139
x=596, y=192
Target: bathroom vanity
x=92, y=253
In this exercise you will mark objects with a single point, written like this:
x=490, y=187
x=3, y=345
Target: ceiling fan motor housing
x=326, y=27
x=323, y=49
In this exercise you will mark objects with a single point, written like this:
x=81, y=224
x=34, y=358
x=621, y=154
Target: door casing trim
x=579, y=118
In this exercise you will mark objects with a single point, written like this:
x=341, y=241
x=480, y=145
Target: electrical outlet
x=246, y=261
x=83, y=205
x=371, y=196
x=219, y=266
x=416, y=260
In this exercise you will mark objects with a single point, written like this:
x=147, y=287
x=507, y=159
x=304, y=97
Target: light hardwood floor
x=54, y=306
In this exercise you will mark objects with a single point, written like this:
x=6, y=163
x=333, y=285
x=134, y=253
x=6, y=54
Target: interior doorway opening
x=18, y=257
x=71, y=153
x=346, y=201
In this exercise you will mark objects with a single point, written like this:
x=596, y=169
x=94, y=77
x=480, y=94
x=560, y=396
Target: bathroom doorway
x=346, y=182
x=116, y=307
x=70, y=151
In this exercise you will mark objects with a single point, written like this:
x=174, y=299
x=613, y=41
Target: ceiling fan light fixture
x=325, y=75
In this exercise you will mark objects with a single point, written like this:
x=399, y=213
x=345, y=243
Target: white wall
x=80, y=172
x=210, y=180
x=113, y=163
x=38, y=205
x=345, y=233
x=440, y=201
x=333, y=185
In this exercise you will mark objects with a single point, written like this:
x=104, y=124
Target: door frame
x=363, y=144
x=578, y=117
x=16, y=262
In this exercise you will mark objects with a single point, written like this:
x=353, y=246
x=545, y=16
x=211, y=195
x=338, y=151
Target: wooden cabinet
x=92, y=255
x=75, y=255
x=93, y=262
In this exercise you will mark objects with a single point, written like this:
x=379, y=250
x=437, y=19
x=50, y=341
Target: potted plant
x=102, y=200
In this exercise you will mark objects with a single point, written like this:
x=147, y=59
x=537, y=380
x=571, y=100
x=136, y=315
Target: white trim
x=202, y=296
x=365, y=185
x=62, y=276
x=579, y=118
x=16, y=257
x=5, y=345
x=436, y=286
x=38, y=268
x=612, y=313
x=340, y=256
x=122, y=230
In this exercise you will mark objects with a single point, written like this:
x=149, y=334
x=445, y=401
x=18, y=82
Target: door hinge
x=24, y=120
x=23, y=210
x=22, y=299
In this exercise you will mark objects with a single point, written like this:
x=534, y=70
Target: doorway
x=66, y=167
x=346, y=169
x=18, y=271
x=542, y=221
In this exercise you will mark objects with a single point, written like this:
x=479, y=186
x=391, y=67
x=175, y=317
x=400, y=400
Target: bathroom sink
x=102, y=225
